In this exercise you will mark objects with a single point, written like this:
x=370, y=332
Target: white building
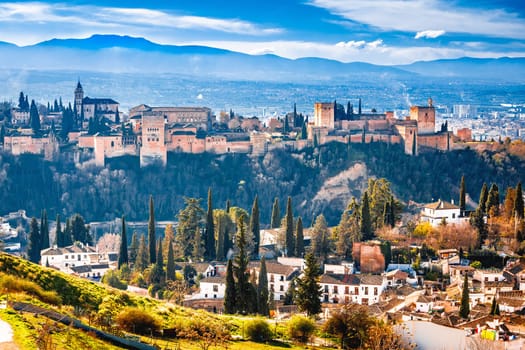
x=359, y=289
x=436, y=212
x=212, y=288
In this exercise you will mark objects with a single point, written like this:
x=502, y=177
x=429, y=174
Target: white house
x=346, y=288
x=436, y=212
x=212, y=288
x=424, y=304
x=279, y=277
x=371, y=288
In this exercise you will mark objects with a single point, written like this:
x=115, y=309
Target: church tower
x=79, y=96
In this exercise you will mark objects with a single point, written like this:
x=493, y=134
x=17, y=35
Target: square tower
x=153, y=146
x=425, y=117
x=324, y=115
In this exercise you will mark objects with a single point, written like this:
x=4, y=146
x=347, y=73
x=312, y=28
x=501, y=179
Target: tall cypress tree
x=462, y=202
x=34, y=242
x=230, y=292
x=44, y=231
x=142, y=255
x=255, y=228
x=289, y=236
x=299, y=236
x=242, y=275
x=262, y=290
x=276, y=214
x=464, y=308
x=484, y=194
x=134, y=248
x=58, y=233
x=228, y=206
x=518, y=203
x=170, y=264
x=493, y=201
x=68, y=234
x=157, y=275
x=123, y=251
x=366, y=221
x=151, y=232
x=209, y=234
x=34, y=117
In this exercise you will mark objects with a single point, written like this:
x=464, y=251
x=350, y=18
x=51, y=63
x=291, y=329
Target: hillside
x=123, y=188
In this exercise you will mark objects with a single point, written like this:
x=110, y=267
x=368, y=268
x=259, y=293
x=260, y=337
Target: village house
x=345, y=288
x=441, y=211
x=212, y=287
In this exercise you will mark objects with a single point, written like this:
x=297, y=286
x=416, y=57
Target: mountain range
x=125, y=54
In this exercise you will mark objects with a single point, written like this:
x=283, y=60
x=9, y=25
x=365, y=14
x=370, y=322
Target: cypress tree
x=170, y=264
x=359, y=108
x=255, y=227
x=157, y=275
x=262, y=290
x=228, y=206
x=304, y=131
x=134, y=248
x=462, y=202
x=35, y=240
x=518, y=204
x=414, y=145
x=123, y=251
x=44, y=231
x=483, y=198
x=151, y=232
x=286, y=127
x=493, y=201
x=142, y=255
x=59, y=239
x=464, y=308
x=299, y=235
x=209, y=235
x=308, y=292
x=230, y=292
x=243, y=284
x=289, y=236
x=198, y=247
x=68, y=234
x=276, y=214
x=34, y=117
x=366, y=222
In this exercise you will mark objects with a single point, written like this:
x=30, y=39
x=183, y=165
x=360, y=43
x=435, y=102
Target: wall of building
x=324, y=115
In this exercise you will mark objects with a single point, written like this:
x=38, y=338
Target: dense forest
x=123, y=188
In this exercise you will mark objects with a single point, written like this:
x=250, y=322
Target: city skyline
x=379, y=32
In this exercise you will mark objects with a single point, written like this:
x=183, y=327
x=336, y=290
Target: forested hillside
x=320, y=180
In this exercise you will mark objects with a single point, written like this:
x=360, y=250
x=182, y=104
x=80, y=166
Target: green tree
x=308, y=293
x=276, y=214
x=44, y=230
x=366, y=221
x=142, y=255
x=255, y=228
x=351, y=324
x=493, y=201
x=462, y=200
x=79, y=230
x=67, y=234
x=242, y=275
x=230, y=297
x=299, y=236
x=34, y=117
x=157, y=275
x=58, y=232
x=288, y=229
x=170, y=264
x=484, y=194
x=464, y=308
x=133, y=248
x=262, y=290
x=320, y=238
x=190, y=225
x=518, y=204
x=223, y=226
x=123, y=251
x=209, y=233
x=494, y=308
x=152, y=238
x=35, y=240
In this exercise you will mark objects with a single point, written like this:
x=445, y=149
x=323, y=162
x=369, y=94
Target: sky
x=384, y=32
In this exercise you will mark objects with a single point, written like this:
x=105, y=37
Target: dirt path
x=6, y=337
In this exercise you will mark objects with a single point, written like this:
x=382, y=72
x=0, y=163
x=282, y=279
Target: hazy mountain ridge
x=113, y=53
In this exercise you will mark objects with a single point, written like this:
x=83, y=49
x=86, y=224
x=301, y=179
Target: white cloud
x=429, y=34
x=352, y=44
x=417, y=15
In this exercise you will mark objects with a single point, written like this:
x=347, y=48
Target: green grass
x=23, y=330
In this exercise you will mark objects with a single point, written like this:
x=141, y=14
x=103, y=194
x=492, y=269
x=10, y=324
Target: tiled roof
x=371, y=279
x=214, y=279
x=280, y=269
x=94, y=101
x=441, y=205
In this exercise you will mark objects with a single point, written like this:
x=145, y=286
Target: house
x=490, y=283
x=437, y=212
x=279, y=277
x=396, y=278
x=516, y=274
x=345, y=288
x=212, y=288
x=424, y=304
x=513, y=301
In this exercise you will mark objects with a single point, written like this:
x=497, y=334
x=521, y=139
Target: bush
x=300, y=328
x=137, y=321
x=111, y=278
x=14, y=284
x=258, y=330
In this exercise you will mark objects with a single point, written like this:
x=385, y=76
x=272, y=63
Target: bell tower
x=79, y=96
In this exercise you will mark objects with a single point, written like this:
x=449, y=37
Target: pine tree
x=34, y=118
x=151, y=232
x=288, y=229
x=464, y=308
x=366, y=222
x=133, y=248
x=142, y=255
x=320, y=240
x=493, y=201
x=299, y=238
x=276, y=214
x=462, y=201
x=518, y=204
x=209, y=234
x=191, y=220
x=123, y=251
x=255, y=228
x=230, y=297
x=170, y=264
x=44, y=231
x=308, y=292
x=68, y=234
x=198, y=246
x=484, y=194
x=34, y=242
x=262, y=290
x=243, y=285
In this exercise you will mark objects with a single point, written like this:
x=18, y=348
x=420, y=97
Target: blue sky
x=375, y=31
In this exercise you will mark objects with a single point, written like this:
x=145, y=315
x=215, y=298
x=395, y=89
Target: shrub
x=137, y=321
x=300, y=328
x=13, y=284
x=258, y=330
x=111, y=278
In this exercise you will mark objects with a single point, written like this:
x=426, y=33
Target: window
x=215, y=288
x=326, y=288
x=281, y=288
x=366, y=290
x=271, y=287
x=335, y=290
x=356, y=291
x=271, y=278
x=375, y=290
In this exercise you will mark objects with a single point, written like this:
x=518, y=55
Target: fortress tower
x=425, y=117
x=79, y=96
x=324, y=115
